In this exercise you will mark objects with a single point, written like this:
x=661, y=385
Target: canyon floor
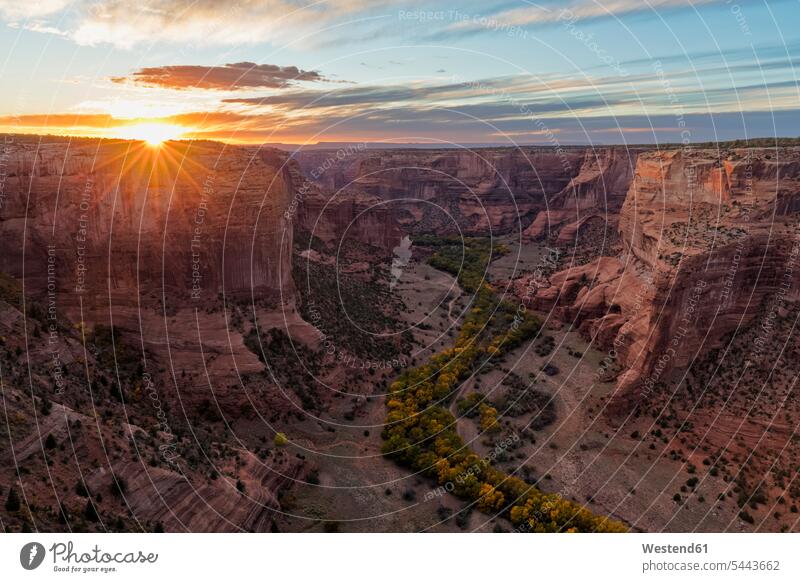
x=330, y=473
x=577, y=453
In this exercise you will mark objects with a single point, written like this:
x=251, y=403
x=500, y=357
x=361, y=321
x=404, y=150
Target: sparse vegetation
x=420, y=432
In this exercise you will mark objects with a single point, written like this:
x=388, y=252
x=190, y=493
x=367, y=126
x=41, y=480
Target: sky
x=499, y=72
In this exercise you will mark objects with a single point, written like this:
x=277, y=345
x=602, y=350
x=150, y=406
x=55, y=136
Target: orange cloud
x=220, y=125
x=228, y=77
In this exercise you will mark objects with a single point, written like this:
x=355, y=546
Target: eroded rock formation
x=709, y=238
x=482, y=190
x=124, y=218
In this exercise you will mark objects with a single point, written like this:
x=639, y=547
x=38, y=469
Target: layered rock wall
x=102, y=217
x=481, y=190
x=711, y=240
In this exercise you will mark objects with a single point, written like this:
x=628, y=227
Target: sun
x=154, y=134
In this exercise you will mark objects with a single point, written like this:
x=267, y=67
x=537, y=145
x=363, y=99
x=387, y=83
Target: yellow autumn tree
x=491, y=499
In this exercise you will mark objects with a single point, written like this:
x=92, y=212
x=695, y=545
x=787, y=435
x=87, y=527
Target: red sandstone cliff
x=121, y=218
x=597, y=191
x=708, y=238
x=339, y=217
x=481, y=190
x=150, y=240
x=100, y=233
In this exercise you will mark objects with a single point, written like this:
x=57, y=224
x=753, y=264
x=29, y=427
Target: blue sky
x=611, y=71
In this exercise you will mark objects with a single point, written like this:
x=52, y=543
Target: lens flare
x=154, y=134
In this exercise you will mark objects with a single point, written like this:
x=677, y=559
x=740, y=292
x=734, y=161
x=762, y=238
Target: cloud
x=229, y=77
x=403, y=103
x=58, y=120
x=686, y=90
x=201, y=124
x=124, y=24
x=296, y=22
x=456, y=90
x=367, y=95
x=15, y=10
x=411, y=124
x=208, y=22
x=534, y=14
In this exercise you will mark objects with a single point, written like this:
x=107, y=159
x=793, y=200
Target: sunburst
x=154, y=134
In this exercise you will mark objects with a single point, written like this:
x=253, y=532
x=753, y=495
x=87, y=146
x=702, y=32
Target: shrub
x=81, y=489
x=90, y=512
x=119, y=486
x=12, y=501
x=421, y=434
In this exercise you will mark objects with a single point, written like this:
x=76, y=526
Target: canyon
x=255, y=293
x=480, y=192
x=697, y=232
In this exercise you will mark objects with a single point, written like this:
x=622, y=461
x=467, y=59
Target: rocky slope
x=95, y=440
x=709, y=238
x=135, y=280
x=116, y=217
x=156, y=285
x=152, y=240
x=476, y=191
x=144, y=271
x=341, y=219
